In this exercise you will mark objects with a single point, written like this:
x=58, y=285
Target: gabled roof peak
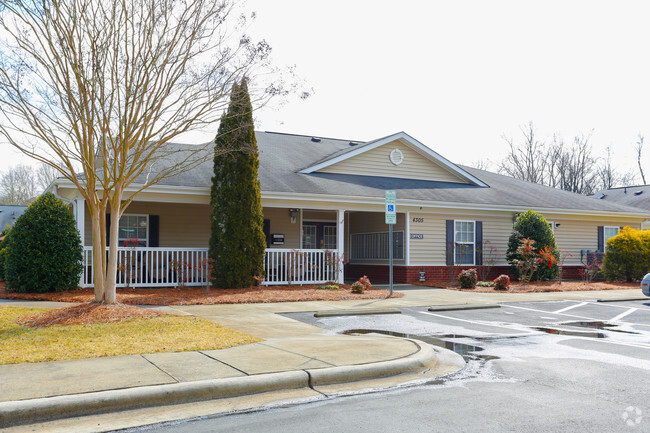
x=405, y=138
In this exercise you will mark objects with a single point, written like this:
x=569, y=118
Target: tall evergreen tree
x=237, y=242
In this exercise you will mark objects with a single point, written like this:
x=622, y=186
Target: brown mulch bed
x=193, y=296
x=86, y=313
x=540, y=286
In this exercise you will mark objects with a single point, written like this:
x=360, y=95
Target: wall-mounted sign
x=418, y=220
x=277, y=239
x=417, y=236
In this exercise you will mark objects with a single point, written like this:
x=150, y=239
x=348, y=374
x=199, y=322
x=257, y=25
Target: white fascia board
x=160, y=189
x=335, y=199
x=421, y=148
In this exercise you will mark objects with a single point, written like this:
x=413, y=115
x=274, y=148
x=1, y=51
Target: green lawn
x=155, y=334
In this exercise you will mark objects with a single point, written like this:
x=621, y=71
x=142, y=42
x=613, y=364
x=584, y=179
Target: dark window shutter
x=267, y=232
x=154, y=231
x=108, y=229
x=478, y=242
x=601, y=238
x=450, y=242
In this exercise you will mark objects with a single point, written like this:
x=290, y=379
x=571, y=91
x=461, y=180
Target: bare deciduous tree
x=572, y=168
x=639, y=150
x=103, y=85
x=18, y=185
x=527, y=160
x=45, y=174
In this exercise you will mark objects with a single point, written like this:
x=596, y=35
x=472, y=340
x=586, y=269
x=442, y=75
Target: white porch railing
x=153, y=267
x=286, y=266
x=171, y=267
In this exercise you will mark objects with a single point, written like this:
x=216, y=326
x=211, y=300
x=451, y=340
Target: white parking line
x=570, y=307
x=475, y=322
x=620, y=316
x=547, y=312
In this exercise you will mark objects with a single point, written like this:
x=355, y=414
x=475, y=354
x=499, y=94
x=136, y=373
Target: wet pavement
x=562, y=365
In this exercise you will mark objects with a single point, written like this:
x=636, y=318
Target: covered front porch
x=165, y=245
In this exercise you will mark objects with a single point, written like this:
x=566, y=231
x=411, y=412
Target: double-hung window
x=133, y=230
x=464, y=242
x=609, y=232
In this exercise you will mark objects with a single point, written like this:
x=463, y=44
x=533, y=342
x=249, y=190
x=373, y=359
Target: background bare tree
x=18, y=185
x=526, y=160
x=639, y=150
x=45, y=174
x=572, y=168
x=103, y=85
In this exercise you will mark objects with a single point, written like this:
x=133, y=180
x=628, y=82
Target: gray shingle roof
x=282, y=156
x=634, y=196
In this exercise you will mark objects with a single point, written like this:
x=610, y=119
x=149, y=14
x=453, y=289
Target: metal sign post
x=391, y=218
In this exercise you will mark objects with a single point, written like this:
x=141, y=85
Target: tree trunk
x=99, y=256
x=111, y=266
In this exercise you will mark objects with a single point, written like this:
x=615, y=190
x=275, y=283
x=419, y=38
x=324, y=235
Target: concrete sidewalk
x=295, y=361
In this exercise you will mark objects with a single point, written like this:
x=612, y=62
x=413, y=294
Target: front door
x=319, y=235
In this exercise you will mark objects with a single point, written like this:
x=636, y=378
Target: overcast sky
x=458, y=75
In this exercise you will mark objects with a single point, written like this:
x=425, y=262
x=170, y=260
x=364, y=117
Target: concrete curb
x=66, y=406
x=364, y=312
x=645, y=298
x=463, y=307
x=423, y=358
x=43, y=409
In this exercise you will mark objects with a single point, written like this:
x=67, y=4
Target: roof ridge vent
x=638, y=192
x=315, y=139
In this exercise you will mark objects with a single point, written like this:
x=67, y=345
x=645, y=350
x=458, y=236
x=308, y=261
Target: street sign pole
x=391, y=218
x=390, y=253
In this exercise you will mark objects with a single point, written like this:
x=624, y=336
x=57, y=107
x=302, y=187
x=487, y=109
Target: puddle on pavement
x=598, y=325
x=465, y=350
x=571, y=333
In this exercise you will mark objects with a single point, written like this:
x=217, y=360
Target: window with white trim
x=375, y=245
x=552, y=225
x=609, y=232
x=464, y=242
x=133, y=230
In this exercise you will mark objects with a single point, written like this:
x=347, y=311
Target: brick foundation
x=411, y=274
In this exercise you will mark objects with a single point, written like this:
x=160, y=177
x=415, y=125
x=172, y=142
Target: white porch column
x=80, y=204
x=80, y=219
x=340, y=241
x=407, y=239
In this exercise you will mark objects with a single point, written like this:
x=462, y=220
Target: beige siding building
x=324, y=210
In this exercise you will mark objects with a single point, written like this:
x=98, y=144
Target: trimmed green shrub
x=627, y=256
x=5, y=232
x=468, y=279
x=237, y=241
x=532, y=225
x=43, y=251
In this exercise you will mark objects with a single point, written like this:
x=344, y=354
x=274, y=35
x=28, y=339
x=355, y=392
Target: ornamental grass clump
x=502, y=282
x=468, y=279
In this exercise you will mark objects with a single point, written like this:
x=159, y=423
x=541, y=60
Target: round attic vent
x=396, y=156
